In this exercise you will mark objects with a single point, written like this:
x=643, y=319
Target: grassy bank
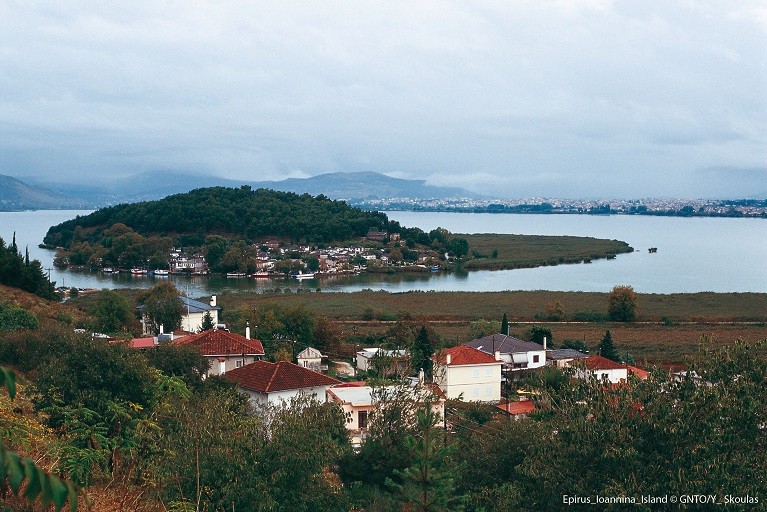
x=496, y=252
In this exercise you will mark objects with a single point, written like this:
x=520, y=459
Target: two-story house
x=468, y=373
x=224, y=350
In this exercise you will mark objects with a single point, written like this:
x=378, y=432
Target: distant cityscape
x=663, y=207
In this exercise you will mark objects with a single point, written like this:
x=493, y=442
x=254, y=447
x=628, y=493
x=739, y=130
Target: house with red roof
x=518, y=410
x=468, y=373
x=279, y=382
x=224, y=350
x=598, y=367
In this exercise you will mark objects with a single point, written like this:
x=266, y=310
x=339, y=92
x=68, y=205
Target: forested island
x=240, y=230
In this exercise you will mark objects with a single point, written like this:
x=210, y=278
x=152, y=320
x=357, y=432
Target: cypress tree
x=607, y=347
x=505, y=325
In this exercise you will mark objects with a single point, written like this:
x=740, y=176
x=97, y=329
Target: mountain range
x=152, y=185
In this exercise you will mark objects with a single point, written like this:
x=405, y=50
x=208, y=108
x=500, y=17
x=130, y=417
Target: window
x=239, y=363
x=475, y=373
x=488, y=390
x=362, y=419
x=536, y=359
x=475, y=392
x=489, y=371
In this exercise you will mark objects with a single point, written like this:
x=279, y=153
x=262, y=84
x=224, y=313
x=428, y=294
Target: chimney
x=162, y=329
x=448, y=358
x=421, y=376
x=497, y=355
x=213, y=301
x=221, y=365
x=544, y=343
x=247, y=330
x=171, y=335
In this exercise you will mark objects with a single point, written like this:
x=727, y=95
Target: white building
x=277, y=383
x=366, y=357
x=224, y=350
x=359, y=402
x=603, y=369
x=469, y=374
x=516, y=354
x=194, y=313
x=311, y=358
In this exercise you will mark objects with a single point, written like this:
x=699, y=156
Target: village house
x=517, y=355
x=466, y=373
x=369, y=358
x=224, y=350
x=358, y=403
x=193, y=313
x=517, y=410
x=311, y=358
x=603, y=369
x=277, y=383
x=563, y=357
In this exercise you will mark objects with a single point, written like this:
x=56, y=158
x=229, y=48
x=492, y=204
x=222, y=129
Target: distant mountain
x=16, y=195
x=152, y=185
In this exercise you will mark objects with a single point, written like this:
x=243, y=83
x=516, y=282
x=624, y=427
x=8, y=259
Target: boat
x=107, y=270
x=303, y=275
x=434, y=268
x=236, y=274
x=160, y=272
x=261, y=274
x=138, y=271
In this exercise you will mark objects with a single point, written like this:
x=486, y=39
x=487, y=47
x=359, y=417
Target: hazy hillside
x=17, y=195
x=152, y=185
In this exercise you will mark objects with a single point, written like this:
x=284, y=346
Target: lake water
x=694, y=254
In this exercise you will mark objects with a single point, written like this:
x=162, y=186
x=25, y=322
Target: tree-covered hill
x=237, y=212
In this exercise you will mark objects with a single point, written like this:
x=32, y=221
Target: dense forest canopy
x=237, y=212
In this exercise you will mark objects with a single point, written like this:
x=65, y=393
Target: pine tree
x=607, y=347
x=207, y=321
x=422, y=351
x=505, y=325
x=428, y=484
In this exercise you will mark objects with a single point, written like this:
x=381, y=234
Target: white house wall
x=476, y=382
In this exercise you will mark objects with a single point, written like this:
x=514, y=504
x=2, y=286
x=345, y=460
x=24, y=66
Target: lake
x=694, y=254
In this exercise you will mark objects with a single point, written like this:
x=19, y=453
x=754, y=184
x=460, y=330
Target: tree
x=429, y=483
x=622, y=304
x=162, y=305
x=113, y=312
x=576, y=345
x=607, y=347
x=207, y=321
x=538, y=332
x=505, y=325
x=421, y=353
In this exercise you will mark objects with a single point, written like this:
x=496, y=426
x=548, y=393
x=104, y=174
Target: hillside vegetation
x=240, y=212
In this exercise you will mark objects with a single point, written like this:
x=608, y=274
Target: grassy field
x=526, y=251
x=669, y=327
x=518, y=305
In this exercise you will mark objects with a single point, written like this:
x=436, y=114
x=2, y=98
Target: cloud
x=569, y=96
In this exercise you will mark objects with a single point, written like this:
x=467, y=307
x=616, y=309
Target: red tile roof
x=639, y=372
x=464, y=354
x=222, y=343
x=521, y=407
x=141, y=343
x=266, y=377
x=596, y=362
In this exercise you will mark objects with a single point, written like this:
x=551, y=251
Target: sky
x=571, y=99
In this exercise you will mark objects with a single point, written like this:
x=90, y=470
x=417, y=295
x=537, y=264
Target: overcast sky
x=571, y=98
